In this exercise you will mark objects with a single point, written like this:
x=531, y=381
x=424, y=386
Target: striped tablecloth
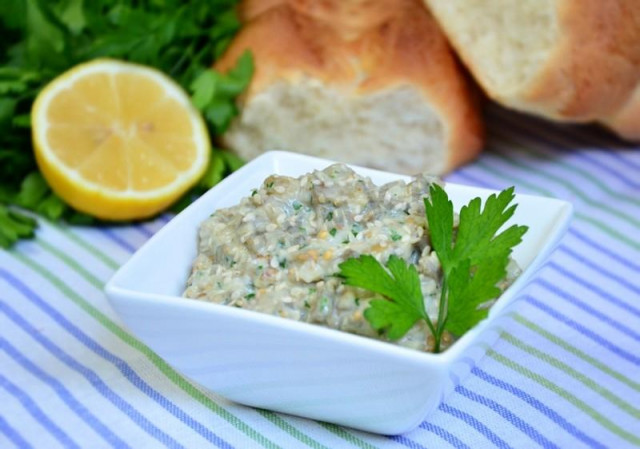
x=565, y=374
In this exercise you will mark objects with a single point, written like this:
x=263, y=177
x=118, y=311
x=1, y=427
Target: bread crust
x=590, y=70
x=375, y=50
x=595, y=65
x=626, y=121
x=249, y=9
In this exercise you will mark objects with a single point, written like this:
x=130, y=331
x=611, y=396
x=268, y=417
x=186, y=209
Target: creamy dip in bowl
x=279, y=249
x=285, y=365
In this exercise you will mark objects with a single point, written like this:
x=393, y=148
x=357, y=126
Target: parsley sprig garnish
x=473, y=261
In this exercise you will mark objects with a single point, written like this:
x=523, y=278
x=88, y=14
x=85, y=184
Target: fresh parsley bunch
x=43, y=38
x=473, y=261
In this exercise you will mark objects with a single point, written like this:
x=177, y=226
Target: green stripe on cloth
x=578, y=215
x=349, y=437
x=581, y=395
x=291, y=430
x=169, y=372
x=575, y=374
x=580, y=404
x=71, y=263
x=99, y=285
x=516, y=145
x=495, y=172
x=89, y=248
x=567, y=185
x=575, y=351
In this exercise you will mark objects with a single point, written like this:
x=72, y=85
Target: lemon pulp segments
x=118, y=140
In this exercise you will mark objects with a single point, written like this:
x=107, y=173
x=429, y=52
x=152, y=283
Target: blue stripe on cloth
x=625, y=160
x=587, y=308
x=406, y=442
x=473, y=422
x=556, y=147
x=122, y=366
x=601, y=270
x=611, y=171
x=572, y=231
x=603, y=249
x=65, y=395
x=536, y=132
x=13, y=435
x=544, y=155
x=508, y=415
x=464, y=173
x=583, y=330
x=37, y=413
x=144, y=231
x=595, y=289
x=442, y=433
x=598, y=210
x=102, y=388
x=538, y=405
x=118, y=240
x=617, y=174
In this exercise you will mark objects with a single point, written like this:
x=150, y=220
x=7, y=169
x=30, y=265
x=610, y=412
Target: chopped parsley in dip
x=279, y=250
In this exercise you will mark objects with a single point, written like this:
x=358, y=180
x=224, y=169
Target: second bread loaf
x=574, y=60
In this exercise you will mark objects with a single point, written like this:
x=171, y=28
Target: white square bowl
x=299, y=368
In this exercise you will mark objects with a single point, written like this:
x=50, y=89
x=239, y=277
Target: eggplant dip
x=278, y=251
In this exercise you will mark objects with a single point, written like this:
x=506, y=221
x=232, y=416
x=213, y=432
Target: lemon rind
x=181, y=183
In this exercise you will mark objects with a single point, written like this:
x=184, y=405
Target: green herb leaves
x=400, y=284
x=473, y=261
x=476, y=262
x=41, y=39
x=213, y=92
x=14, y=226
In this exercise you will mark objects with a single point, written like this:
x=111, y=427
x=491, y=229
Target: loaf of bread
x=368, y=83
x=626, y=120
x=575, y=60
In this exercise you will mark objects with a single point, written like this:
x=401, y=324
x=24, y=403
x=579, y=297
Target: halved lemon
x=118, y=140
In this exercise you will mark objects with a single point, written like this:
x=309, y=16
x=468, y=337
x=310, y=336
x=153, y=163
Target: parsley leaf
x=14, y=226
x=41, y=39
x=400, y=283
x=473, y=265
x=32, y=190
x=366, y=272
x=440, y=222
x=477, y=239
x=473, y=261
x=468, y=290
